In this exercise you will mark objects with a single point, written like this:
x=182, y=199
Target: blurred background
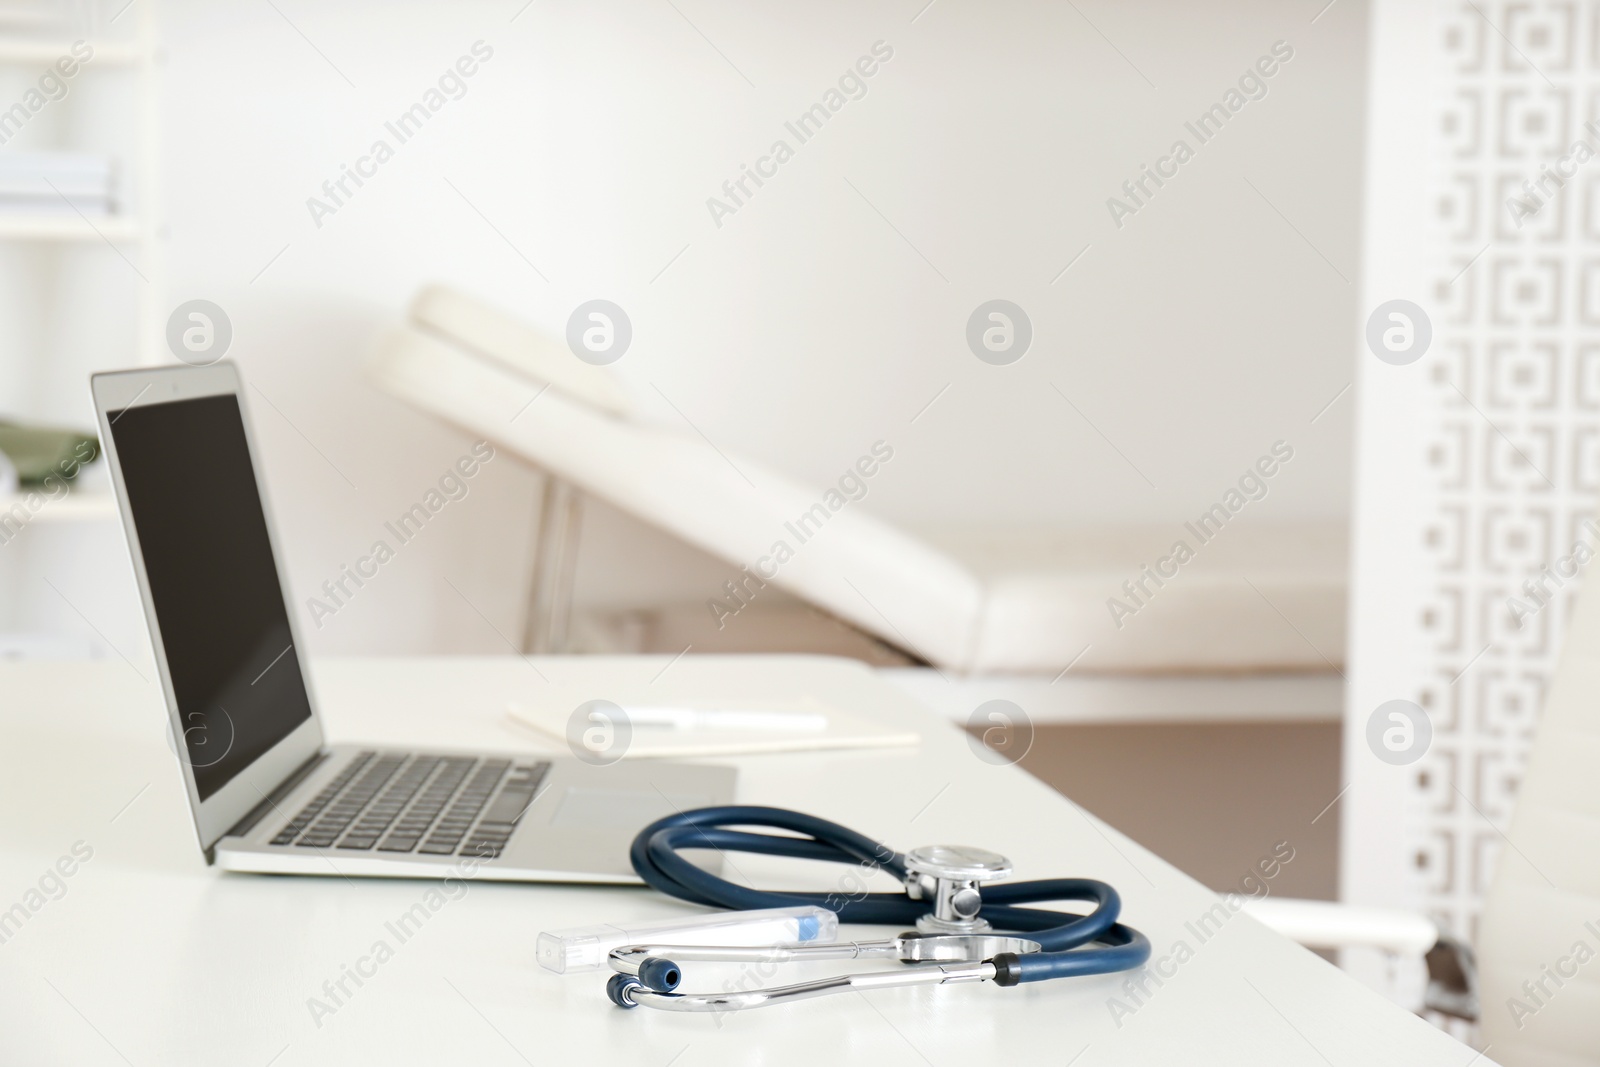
x=1192, y=315
x=1172, y=345
x=822, y=316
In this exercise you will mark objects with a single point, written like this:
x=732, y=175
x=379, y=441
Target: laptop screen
x=218, y=602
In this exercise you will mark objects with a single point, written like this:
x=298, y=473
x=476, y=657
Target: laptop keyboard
x=401, y=802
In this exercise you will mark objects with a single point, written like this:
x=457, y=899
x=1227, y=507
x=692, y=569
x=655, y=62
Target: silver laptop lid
x=226, y=643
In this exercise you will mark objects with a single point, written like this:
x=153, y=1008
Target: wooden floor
x=1211, y=798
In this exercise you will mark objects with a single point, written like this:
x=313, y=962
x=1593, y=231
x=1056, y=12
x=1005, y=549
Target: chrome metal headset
x=955, y=940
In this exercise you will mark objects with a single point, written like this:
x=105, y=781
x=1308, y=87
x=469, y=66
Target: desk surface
x=147, y=957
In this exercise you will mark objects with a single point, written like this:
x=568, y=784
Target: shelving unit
x=76, y=506
x=115, y=228
x=29, y=50
x=124, y=42
x=83, y=292
x=137, y=54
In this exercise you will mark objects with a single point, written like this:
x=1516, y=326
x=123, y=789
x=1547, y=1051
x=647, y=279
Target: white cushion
x=490, y=332
x=1255, y=596
x=855, y=566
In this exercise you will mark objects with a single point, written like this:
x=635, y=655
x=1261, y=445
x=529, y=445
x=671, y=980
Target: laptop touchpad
x=627, y=809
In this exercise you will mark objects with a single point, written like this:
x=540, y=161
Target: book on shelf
x=54, y=183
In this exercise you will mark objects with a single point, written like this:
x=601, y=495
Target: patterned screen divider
x=1479, y=447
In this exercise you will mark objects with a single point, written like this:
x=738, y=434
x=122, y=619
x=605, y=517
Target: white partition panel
x=1478, y=461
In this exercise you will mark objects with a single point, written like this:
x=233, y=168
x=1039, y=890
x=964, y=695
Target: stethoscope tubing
x=656, y=859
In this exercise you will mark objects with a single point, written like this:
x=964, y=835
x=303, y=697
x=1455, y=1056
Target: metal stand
x=555, y=564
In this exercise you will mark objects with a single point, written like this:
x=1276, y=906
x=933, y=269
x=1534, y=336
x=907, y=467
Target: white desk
x=149, y=958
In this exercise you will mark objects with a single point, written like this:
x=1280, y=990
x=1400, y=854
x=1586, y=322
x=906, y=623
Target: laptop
x=268, y=793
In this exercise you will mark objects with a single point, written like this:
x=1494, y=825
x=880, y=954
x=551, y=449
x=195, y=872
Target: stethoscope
x=955, y=939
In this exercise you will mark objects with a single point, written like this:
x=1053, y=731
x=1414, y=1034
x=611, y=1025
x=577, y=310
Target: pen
x=678, y=718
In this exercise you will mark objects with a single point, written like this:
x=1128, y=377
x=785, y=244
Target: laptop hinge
x=287, y=786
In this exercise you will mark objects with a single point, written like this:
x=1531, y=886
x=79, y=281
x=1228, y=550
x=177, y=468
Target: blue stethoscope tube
x=655, y=856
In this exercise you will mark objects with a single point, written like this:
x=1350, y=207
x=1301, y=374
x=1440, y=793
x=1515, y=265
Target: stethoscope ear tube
x=1126, y=948
x=655, y=857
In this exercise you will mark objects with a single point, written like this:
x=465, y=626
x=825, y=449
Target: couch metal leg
x=555, y=564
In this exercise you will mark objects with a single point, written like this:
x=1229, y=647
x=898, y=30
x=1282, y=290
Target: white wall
x=805, y=327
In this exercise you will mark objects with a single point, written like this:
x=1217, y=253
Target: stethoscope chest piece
x=948, y=877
